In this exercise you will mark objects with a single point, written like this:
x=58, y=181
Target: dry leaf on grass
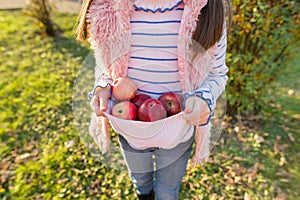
x=22, y=157
x=296, y=116
x=291, y=137
x=276, y=147
x=282, y=160
x=281, y=197
x=291, y=92
x=258, y=138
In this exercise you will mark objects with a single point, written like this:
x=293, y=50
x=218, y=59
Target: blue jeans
x=157, y=169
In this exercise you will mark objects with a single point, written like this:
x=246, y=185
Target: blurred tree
x=258, y=51
x=41, y=11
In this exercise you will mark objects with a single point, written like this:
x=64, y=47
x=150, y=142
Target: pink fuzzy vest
x=110, y=39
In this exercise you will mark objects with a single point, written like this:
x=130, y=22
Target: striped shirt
x=153, y=62
x=153, y=55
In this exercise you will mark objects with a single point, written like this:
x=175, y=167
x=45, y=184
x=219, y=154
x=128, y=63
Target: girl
x=162, y=45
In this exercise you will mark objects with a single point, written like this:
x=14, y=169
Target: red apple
x=124, y=89
x=139, y=99
x=151, y=110
x=172, y=102
x=125, y=110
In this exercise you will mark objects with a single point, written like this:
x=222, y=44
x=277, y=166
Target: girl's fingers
x=196, y=122
x=189, y=105
x=193, y=122
x=197, y=115
x=190, y=116
x=103, y=104
x=191, y=111
x=95, y=105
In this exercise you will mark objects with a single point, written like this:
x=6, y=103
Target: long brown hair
x=208, y=31
x=81, y=26
x=211, y=22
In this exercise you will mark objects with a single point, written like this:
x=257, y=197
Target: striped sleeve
x=215, y=83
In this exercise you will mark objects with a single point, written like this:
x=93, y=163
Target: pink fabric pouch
x=163, y=133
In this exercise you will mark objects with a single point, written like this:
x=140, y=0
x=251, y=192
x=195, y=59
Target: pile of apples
x=132, y=106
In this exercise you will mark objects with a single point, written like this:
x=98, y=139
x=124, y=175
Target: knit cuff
x=207, y=97
x=102, y=83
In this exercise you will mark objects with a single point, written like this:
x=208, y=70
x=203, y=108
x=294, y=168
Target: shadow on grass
x=75, y=48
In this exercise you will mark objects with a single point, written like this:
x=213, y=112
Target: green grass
x=37, y=81
x=283, y=120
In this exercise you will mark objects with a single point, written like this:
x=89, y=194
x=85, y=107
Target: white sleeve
x=215, y=83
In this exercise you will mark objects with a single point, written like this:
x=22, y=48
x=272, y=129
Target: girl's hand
x=99, y=102
x=196, y=111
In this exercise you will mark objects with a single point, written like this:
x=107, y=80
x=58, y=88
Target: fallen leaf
x=282, y=160
x=276, y=147
x=247, y=196
x=283, y=146
x=64, y=180
x=226, y=156
x=291, y=92
x=238, y=158
x=284, y=174
x=284, y=112
x=29, y=146
x=259, y=166
x=5, y=175
x=77, y=171
x=252, y=176
x=264, y=185
x=35, y=152
x=285, y=128
x=266, y=134
x=229, y=181
x=275, y=105
x=69, y=143
x=242, y=170
x=258, y=138
x=278, y=137
x=280, y=197
x=284, y=180
x=22, y=157
x=205, y=178
x=296, y=116
x=236, y=129
x=291, y=137
x=237, y=179
x=4, y=166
